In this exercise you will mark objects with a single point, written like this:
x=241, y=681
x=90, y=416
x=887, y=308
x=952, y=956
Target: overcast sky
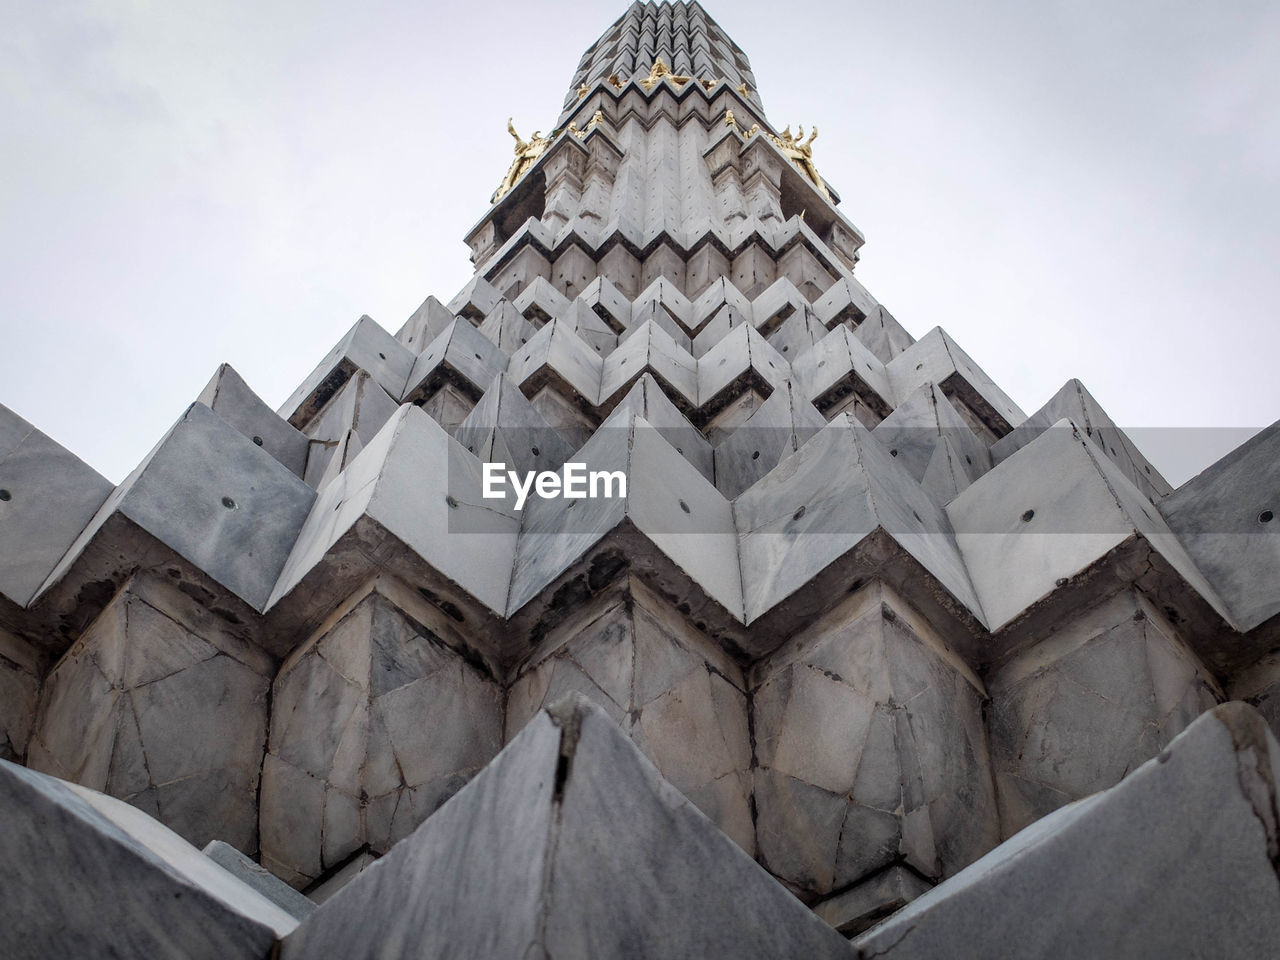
x=1075, y=189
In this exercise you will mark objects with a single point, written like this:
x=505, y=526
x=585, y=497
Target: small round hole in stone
x=1266, y=516
x=228, y=503
x=755, y=455
x=257, y=441
x=5, y=496
x=453, y=504
x=684, y=506
x=535, y=451
x=1027, y=515
x=798, y=514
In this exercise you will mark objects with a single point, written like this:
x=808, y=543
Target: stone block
x=376, y=721
x=263, y=881
x=557, y=356
x=231, y=398
x=871, y=750
x=1225, y=518
x=208, y=494
x=341, y=428
x=424, y=325
x=742, y=361
x=672, y=522
x=647, y=399
x=1178, y=860
x=777, y=429
x=47, y=497
x=1088, y=703
x=934, y=442
x=936, y=358
x=540, y=302
x=826, y=503
x=20, y=672
x=649, y=349
x=866, y=904
x=505, y=428
x=1073, y=402
x=367, y=347
x=845, y=302
x=475, y=300
x=507, y=328
x=410, y=503
x=540, y=864
x=164, y=705
x=461, y=357
x=838, y=370
x=883, y=335
x=88, y=876
x=1048, y=514
x=677, y=694
x=608, y=302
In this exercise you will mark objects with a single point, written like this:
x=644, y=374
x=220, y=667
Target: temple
x=860, y=660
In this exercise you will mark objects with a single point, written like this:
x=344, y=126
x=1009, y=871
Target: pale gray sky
x=1078, y=188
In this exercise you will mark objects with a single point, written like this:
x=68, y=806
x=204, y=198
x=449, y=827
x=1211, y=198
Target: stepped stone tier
x=854, y=635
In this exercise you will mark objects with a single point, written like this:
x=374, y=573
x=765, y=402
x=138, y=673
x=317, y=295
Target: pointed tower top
x=681, y=35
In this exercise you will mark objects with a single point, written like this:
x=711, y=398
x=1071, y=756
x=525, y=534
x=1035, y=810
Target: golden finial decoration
x=582, y=91
x=614, y=81
x=526, y=155
x=742, y=89
x=708, y=84
x=730, y=120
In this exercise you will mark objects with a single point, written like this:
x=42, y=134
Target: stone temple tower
x=841, y=632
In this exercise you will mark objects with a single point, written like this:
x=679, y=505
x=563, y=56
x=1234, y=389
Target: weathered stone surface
x=234, y=401
x=340, y=429
x=1088, y=704
x=1049, y=513
x=824, y=501
x=412, y=485
x=375, y=722
x=20, y=671
x=1225, y=519
x=366, y=346
x=871, y=750
x=49, y=496
x=1073, y=402
x=569, y=845
x=668, y=686
x=164, y=705
x=210, y=495
x=86, y=876
x=865, y=904
x=505, y=428
x=263, y=881
x=1178, y=860
x=936, y=358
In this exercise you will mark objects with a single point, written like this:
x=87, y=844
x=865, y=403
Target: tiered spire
x=851, y=602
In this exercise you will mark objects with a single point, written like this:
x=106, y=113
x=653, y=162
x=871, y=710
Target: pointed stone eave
x=523, y=848
x=838, y=511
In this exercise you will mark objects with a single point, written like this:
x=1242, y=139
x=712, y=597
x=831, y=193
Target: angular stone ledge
x=568, y=845
x=86, y=876
x=1178, y=860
